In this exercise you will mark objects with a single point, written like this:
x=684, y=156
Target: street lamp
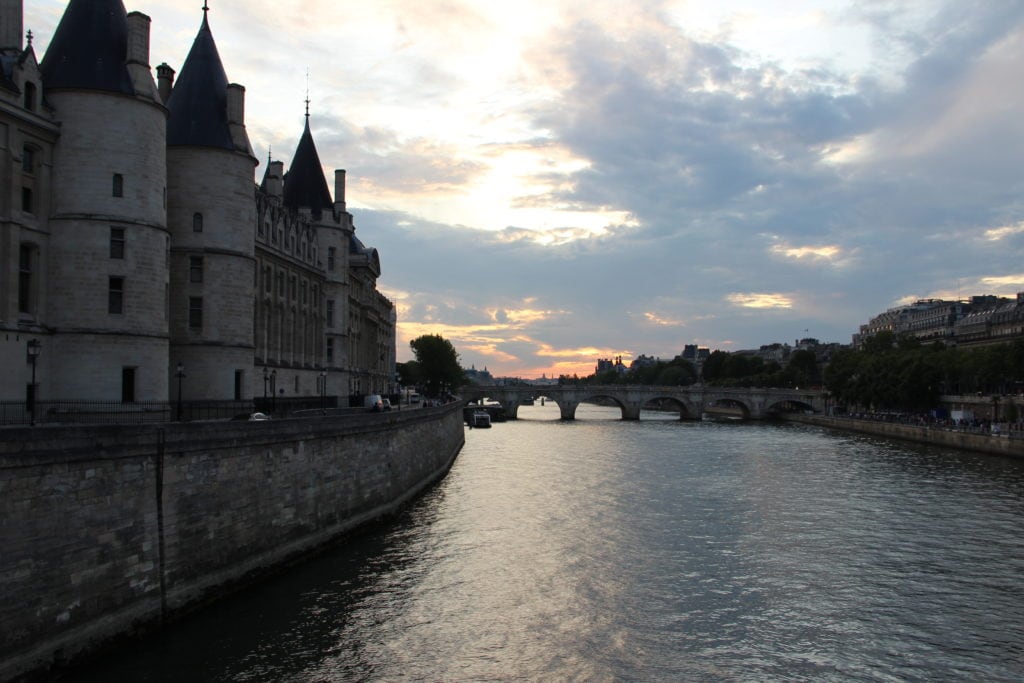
x=323, y=392
x=34, y=347
x=180, y=374
x=273, y=390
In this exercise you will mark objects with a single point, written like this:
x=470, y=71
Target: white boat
x=481, y=419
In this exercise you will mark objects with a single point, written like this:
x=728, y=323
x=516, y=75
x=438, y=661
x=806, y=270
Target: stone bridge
x=692, y=401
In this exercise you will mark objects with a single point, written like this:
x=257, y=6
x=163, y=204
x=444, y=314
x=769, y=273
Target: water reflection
x=652, y=550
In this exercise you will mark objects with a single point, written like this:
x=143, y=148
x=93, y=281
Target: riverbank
x=995, y=444
x=111, y=531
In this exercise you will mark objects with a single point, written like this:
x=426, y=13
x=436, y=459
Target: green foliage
x=911, y=377
x=437, y=364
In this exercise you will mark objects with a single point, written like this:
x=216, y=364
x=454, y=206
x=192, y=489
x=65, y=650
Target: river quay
x=935, y=435
x=108, y=532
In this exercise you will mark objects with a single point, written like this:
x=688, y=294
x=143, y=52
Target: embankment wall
x=936, y=436
x=105, y=531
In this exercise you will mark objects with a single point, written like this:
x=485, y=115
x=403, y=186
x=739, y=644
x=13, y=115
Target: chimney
x=165, y=81
x=339, y=189
x=138, y=38
x=10, y=23
x=275, y=179
x=236, y=104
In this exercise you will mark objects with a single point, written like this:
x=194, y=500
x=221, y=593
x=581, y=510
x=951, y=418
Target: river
x=659, y=550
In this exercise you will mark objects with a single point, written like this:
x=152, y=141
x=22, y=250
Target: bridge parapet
x=755, y=403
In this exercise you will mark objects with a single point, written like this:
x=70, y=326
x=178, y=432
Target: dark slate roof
x=89, y=48
x=304, y=184
x=199, y=101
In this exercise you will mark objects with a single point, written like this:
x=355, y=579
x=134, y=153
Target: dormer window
x=30, y=96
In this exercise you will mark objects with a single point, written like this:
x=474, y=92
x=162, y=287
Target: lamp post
x=266, y=380
x=323, y=392
x=34, y=347
x=273, y=390
x=180, y=374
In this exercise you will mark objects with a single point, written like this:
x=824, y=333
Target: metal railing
x=141, y=412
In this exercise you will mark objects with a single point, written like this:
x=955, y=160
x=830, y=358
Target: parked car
x=386, y=403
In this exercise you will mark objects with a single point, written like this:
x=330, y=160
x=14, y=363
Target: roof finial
x=206, y=8
x=269, y=158
x=307, y=93
x=29, y=37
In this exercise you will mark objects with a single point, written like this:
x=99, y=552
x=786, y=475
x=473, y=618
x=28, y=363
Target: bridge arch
x=727, y=405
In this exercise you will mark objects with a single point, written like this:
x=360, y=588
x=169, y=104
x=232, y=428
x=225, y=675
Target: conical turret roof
x=304, y=184
x=89, y=49
x=198, y=102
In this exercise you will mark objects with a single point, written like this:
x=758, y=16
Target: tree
x=438, y=362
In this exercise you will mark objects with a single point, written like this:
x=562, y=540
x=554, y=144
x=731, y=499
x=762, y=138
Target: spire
x=89, y=48
x=304, y=184
x=198, y=103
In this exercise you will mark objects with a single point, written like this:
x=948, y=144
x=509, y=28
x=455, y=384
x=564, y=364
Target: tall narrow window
x=118, y=185
x=117, y=243
x=28, y=160
x=280, y=284
x=195, y=269
x=128, y=385
x=115, y=296
x=195, y=312
x=26, y=200
x=330, y=350
x=268, y=280
x=330, y=258
x=330, y=313
x=30, y=96
x=197, y=222
x=25, y=259
x=238, y=384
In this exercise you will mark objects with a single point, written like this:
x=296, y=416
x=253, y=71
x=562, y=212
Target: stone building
x=134, y=240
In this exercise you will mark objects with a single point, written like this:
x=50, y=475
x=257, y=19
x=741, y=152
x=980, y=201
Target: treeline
x=886, y=373
x=900, y=374
x=720, y=369
x=676, y=372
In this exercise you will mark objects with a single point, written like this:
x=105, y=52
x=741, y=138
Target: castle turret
x=107, y=266
x=212, y=218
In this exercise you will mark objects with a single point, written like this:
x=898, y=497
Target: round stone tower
x=211, y=213
x=107, y=271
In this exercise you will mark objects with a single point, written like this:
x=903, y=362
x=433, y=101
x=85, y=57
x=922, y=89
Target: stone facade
x=134, y=238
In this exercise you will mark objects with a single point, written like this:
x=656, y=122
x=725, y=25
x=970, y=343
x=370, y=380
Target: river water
x=659, y=550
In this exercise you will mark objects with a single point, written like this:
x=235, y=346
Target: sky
x=550, y=182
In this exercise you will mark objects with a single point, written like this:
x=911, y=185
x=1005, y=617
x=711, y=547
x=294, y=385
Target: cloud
x=550, y=182
x=760, y=300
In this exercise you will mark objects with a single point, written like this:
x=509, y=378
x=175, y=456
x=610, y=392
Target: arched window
x=197, y=222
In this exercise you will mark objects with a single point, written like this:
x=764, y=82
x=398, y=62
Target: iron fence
x=140, y=412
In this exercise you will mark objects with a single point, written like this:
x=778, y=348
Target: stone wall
x=108, y=530
x=935, y=436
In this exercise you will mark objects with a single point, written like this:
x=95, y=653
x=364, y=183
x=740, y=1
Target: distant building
x=980, y=320
x=606, y=364
x=474, y=376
